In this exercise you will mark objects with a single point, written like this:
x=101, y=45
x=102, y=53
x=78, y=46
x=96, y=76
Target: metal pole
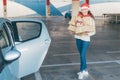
x=75, y=7
x=87, y=1
x=5, y=8
x=47, y=7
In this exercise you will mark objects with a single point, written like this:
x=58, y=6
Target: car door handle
x=47, y=41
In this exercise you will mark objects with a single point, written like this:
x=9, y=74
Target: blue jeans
x=82, y=48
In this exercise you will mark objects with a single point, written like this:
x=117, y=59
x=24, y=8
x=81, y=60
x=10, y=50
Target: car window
x=10, y=29
x=28, y=30
x=5, y=42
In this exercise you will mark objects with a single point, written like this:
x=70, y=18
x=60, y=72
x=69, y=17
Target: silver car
x=23, y=46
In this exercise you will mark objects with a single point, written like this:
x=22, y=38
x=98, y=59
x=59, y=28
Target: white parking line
x=38, y=76
x=113, y=52
x=65, y=54
x=71, y=64
x=69, y=54
x=118, y=62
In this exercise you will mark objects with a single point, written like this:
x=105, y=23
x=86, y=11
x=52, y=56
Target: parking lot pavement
x=62, y=60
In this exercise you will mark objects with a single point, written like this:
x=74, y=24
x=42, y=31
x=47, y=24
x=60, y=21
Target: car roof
x=25, y=19
x=2, y=20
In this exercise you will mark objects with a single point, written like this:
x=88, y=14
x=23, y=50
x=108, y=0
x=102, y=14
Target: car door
x=7, y=52
x=5, y=46
x=32, y=40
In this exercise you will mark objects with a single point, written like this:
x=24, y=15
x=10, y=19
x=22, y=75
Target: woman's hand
x=80, y=34
x=86, y=32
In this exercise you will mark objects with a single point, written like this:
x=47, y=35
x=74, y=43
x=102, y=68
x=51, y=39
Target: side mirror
x=12, y=55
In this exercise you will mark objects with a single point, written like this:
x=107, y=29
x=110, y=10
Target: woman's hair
x=89, y=13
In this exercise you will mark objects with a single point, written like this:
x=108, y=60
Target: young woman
x=83, y=30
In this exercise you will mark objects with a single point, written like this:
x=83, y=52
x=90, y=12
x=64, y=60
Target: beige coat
x=81, y=25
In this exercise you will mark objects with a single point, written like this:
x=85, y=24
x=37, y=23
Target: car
x=24, y=43
x=68, y=14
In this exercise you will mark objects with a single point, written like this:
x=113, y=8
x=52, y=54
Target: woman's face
x=84, y=10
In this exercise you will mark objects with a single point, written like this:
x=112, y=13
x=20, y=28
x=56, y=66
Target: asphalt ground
x=62, y=60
